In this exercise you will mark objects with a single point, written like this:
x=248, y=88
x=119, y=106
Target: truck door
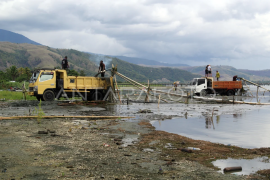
x=46, y=81
x=201, y=84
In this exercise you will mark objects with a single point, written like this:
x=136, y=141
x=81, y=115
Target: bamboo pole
x=254, y=83
x=148, y=89
x=126, y=78
x=158, y=100
x=142, y=88
x=117, y=90
x=236, y=102
x=50, y=117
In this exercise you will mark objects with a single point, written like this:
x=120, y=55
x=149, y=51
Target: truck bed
x=84, y=82
x=227, y=84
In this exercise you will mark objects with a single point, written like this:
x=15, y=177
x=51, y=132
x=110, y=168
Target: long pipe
x=124, y=77
x=253, y=83
x=142, y=88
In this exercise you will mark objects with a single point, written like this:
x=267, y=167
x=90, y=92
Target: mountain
x=9, y=36
x=143, y=74
x=147, y=62
x=18, y=50
x=37, y=56
x=227, y=73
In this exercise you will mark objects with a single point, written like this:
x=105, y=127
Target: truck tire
x=203, y=92
x=39, y=98
x=96, y=96
x=231, y=93
x=48, y=95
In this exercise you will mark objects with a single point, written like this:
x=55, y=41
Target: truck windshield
x=201, y=81
x=45, y=76
x=34, y=77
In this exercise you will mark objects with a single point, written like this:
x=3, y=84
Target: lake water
x=248, y=165
x=248, y=130
x=241, y=125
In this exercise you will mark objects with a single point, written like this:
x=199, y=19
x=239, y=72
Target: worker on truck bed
x=209, y=71
x=101, y=68
x=206, y=71
x=235, y=78
x=217, y=75
x=65, y=63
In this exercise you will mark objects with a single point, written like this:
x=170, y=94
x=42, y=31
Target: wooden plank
x=50, y=117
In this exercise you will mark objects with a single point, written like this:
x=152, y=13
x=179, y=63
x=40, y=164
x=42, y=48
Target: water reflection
x=209, y=123
x=248, y=130
x=236, y=116
x=248, y=165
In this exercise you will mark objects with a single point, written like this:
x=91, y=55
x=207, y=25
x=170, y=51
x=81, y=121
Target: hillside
x=38, y=56
x=9, y=36
x=142, y=74
x=147, y=62
x=227, y=72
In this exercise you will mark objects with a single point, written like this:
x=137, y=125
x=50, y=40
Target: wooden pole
x=117, y=89
x=148, y=89
x=257, y=93
x=141, y=88
x=158, y=100
x=134, y=82
x=50, y=117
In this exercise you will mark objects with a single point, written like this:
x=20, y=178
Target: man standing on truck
x=209, y=71
x=206, y=71
x=65, y=63
x=217, y=75
x=101, y=68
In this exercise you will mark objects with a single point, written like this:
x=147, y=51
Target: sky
x=193, y=32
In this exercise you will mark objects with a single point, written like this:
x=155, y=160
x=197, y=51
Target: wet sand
x=69, y=148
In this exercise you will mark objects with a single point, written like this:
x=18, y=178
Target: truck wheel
x=39, y=98
x=97, y=96
x=203, y=92
x=48, y=95
x=230, y=93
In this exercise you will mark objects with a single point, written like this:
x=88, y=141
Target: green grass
x=13, y=95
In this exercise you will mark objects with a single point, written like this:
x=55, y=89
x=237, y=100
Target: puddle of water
x=248, y=165
x=247, y=130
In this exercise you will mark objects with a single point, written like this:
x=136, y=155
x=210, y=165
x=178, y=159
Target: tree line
x=24, y=74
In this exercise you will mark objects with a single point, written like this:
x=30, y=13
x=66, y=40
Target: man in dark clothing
x=65, y=63
x=101, y=68
x=206, y=71
x=235, y=78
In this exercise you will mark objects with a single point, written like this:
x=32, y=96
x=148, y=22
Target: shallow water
x=248, y=129
x=248, y=165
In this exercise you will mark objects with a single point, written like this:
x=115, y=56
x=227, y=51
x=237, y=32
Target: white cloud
x=234, y=32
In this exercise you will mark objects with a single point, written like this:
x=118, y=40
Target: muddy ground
x=73, y=148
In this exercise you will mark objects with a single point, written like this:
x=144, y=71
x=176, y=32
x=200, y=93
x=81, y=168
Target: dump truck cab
x=202, y=84
x=48, y=84
x=207, y=85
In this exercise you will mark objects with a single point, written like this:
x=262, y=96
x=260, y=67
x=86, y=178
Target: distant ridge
x=12, y=37
x=140, y=61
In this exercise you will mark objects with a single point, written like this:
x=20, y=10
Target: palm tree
x=21, y=71
x=28, y=73
x=13, y=72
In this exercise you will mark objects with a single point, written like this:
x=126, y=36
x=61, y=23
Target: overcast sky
x=193, y=32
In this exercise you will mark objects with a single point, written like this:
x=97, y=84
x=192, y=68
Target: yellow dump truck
x=51, y=84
